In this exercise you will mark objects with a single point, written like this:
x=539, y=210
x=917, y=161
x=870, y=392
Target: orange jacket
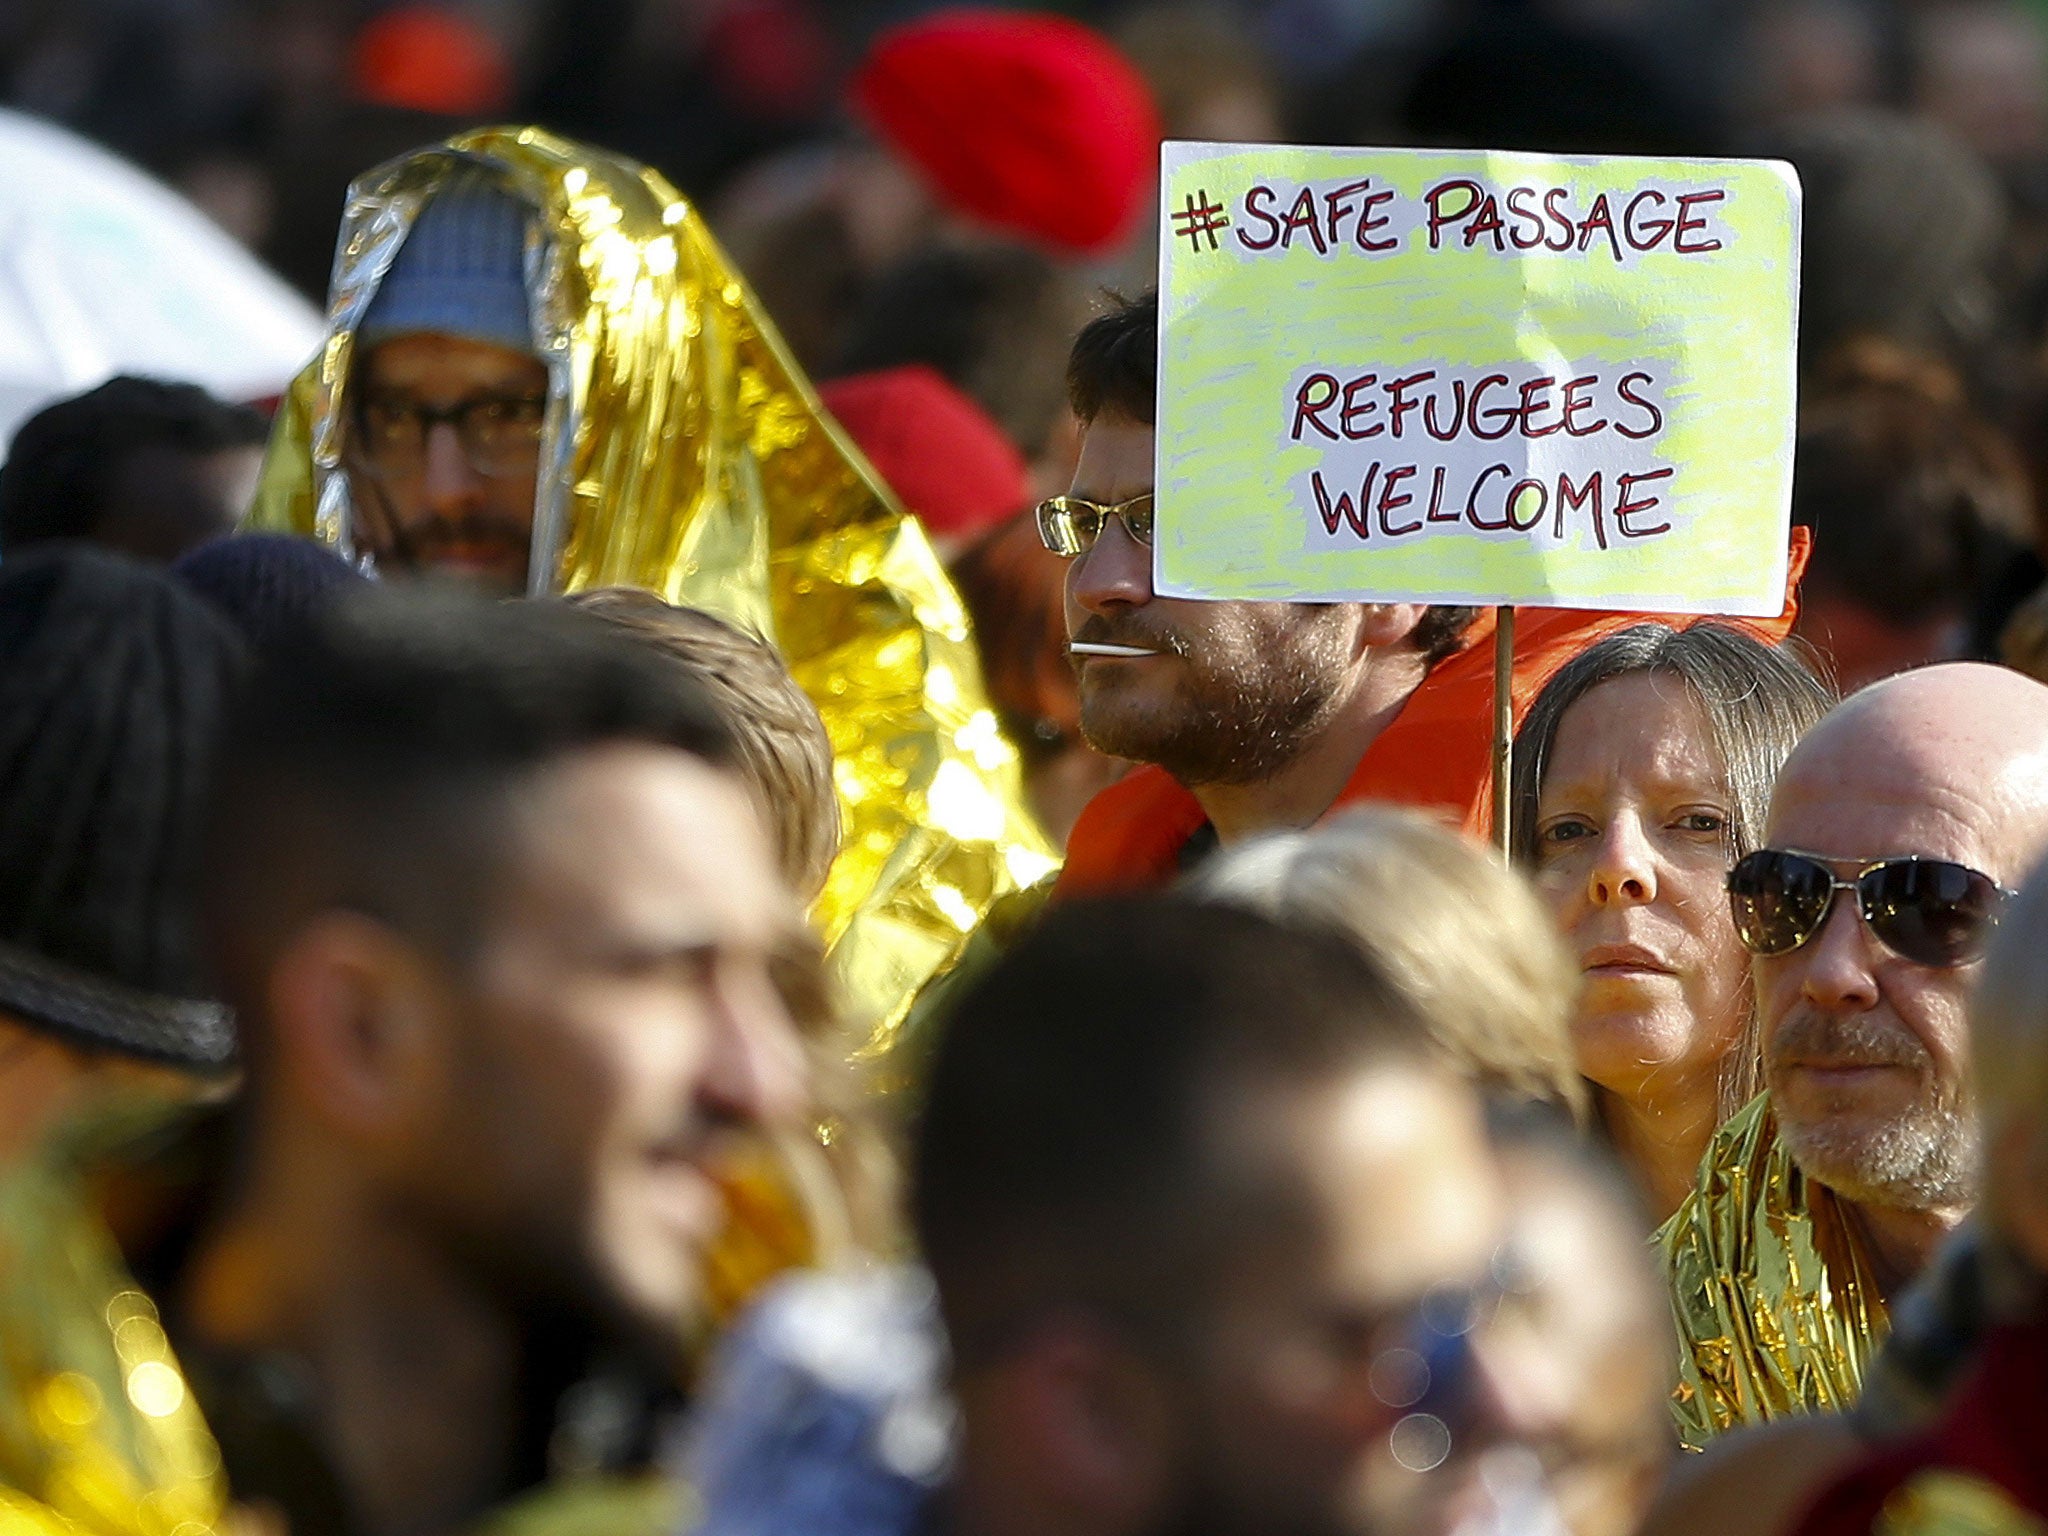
x=1436, y=753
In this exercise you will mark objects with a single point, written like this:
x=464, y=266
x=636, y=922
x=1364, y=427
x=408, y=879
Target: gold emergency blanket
x=1776, y=1309
x=683, y=452
x=96, y=1423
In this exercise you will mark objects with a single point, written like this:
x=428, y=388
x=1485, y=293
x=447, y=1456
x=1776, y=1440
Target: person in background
x=1465, y=941
x=997, y=320
x=1896, y=830
x=783, y=748
x=1975, y=1445
x=1986, y=1456
x=270, y=585
x=673, y=447
x=1013, y=587
x=1979, y=68
x=778, y=1199
x=1918, y=507
x=951, y=466
x=1252, y=717
x=1584, y=1345
x=971, y=124
x=1642, y=772
x=113, y=683
x=1187, y=1182
x=1901, y=231
x=509, y=951
x=1207, y=70
x=141, y=466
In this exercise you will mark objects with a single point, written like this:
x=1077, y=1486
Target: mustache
x=1857, y=1040
x=1132, y=631
x=446, y=532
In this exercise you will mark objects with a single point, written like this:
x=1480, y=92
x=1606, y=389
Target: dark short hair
x=1114, y=370
x=63, y=460
x=992, y=318
x=1064, y=1153
x=371, y=762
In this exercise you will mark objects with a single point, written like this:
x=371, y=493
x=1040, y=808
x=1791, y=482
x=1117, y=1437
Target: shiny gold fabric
x=685, y=453
x=96, y=1424
x=1776, y=1308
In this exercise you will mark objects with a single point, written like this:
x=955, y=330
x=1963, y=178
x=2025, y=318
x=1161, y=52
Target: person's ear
x=1386, y=626
x=1102, y=1417
x=353, y=1019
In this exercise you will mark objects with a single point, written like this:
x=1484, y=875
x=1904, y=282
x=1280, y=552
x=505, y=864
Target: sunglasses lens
x=1779, y=899
x=1930, y=912
x=1066, y=528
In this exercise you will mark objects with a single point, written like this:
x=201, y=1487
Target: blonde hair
x=1464, y=939
x=784, y=750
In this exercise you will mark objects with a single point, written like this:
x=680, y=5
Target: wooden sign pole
x=1503, y=729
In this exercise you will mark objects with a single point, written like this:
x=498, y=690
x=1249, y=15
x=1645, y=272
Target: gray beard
x=1926, y=1160
x=1932, y=1161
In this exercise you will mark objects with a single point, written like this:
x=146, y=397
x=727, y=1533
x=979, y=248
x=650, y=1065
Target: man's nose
x=1624, y=871
x=448, y=482
x=1114, y=572
x=754, y=1067
x=1839, y=970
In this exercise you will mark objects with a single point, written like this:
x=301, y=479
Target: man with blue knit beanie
x=450, y=395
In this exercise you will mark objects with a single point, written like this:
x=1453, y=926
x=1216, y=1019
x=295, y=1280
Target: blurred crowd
x=621, y=910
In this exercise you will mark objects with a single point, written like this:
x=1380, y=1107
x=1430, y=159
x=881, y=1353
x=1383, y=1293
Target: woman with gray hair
x=1642, y=772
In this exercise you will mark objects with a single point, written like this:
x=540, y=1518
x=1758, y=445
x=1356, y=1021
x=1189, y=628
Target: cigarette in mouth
x=1089, y=648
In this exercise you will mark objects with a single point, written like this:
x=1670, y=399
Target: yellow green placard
x=1476, y=377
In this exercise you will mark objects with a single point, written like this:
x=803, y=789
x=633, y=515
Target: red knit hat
x=1028, y=122
x=944, y=457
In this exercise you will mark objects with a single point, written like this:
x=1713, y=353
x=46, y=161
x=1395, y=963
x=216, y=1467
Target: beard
x=1927, y=1158
x=1244, y=706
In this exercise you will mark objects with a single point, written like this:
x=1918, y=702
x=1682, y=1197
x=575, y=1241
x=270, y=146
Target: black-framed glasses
x=1929, y=911
x=1070, y=525
x=499, y=434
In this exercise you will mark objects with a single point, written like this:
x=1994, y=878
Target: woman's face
x=1632, y=839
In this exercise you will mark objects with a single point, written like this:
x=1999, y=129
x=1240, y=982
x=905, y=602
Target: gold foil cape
x=97, y=1425
x=684, y=452
x=1776, y=1308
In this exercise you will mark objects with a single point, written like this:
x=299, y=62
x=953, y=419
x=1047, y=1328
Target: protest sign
x=1468, y=377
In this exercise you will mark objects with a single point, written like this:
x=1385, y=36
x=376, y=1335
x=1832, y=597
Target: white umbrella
x=104, y=270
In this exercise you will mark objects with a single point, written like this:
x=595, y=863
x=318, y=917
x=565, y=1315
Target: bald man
x=1897, y=830
x=1986, y=1457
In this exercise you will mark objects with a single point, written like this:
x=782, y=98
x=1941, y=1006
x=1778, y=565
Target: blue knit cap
x=462, y=269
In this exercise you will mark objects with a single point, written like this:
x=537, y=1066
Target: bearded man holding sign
x=1317, y=640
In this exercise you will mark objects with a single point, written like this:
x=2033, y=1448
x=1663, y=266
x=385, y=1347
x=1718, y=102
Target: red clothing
x=1437, y=753
x=1991, y=1442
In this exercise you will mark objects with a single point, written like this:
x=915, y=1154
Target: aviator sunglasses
x=1070, y=525
x=1928, y=911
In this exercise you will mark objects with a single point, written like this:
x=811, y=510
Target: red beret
x=1028, y=122
x=944, y=457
